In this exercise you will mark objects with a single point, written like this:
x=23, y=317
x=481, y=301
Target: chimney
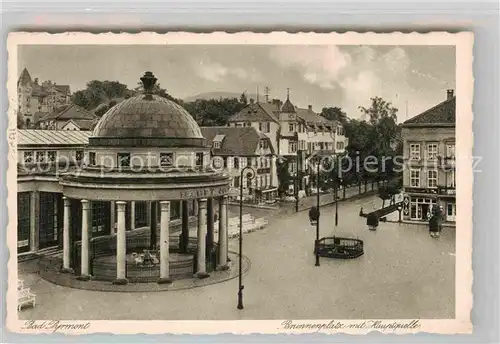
x=449, y=94
x=310, y=107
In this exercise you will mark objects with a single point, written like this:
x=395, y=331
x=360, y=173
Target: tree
x=159, y=91
x=243, y=99
x=284, y=177
x=334, y=114
x=20, y=121
x=382, y=116
x=384, y=194
x=213, y=112
x=98, y=92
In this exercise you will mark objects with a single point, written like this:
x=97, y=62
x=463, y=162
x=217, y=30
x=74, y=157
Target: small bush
x=372, y=220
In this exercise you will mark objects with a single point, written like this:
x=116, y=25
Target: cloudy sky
x=344, y=76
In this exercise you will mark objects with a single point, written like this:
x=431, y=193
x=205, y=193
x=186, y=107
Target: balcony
x=447, y=190
x=447, y=162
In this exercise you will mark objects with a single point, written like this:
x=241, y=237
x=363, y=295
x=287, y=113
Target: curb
x=70, y=281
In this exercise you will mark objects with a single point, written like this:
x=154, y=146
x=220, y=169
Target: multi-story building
x=36, y=100
x=294, y=132
x=429, y=156
x=234, y=148
x=68, y=117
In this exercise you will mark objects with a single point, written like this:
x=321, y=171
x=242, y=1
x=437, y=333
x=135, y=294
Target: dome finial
x=288, y=93
x=148, y=83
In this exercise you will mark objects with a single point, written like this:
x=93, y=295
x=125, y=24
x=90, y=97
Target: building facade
x=36, y=100
x=68, y=117
x=233, y=149
x=295, y=133
x=429, y=156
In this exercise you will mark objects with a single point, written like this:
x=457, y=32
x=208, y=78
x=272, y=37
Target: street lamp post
x=337, y=181
x=250, y=175
x=296, y=186
x=400, y=208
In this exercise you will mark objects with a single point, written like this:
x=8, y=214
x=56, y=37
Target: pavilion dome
x=147, y=116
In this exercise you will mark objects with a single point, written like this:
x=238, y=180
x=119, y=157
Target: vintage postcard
x=240, y=183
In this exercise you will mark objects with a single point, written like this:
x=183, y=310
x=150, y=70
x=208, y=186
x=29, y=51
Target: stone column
x=223, y=233
x=66, y=239
x=164, y=247
x=202, y=217
x=148, y=213
x=121, y=245
x=112, y=218
x=34, y=220
x=185, y=227
x=132, y=215
x=84, y=273
x=153, y=222
x=210, y=223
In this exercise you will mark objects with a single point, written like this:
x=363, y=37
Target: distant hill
x=217, y=95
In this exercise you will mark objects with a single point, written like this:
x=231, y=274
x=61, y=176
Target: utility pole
x=266, y=92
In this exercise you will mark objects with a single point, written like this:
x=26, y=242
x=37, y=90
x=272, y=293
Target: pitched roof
x=63, y=88
x=310, y=116
x=441, y=114
x=70, y=111
x=25, y=78
x=237, y=140
x=29, y=137
x=83, y=124
x=255, y=112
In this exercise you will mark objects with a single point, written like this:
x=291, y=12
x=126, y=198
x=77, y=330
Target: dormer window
x=217, y=141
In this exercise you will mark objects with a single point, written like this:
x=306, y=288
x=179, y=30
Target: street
x=403, y=274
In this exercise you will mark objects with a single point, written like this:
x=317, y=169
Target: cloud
x=357, y=73
x=216, y=72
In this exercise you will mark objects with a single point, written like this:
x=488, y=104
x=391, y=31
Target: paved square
x=403, y=274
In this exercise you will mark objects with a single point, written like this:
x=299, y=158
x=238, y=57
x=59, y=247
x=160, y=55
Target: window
x=217, y=145
x=236, y=163
x=217, y=162
x=415, y=178
x=79, y=155
x=292, y=147
x=40, y=156
x=415, y=151
x=291, y=127
x=123, y=159
x=450, y=179
x=52, y=156
x=263, y=144
x=199, y=159
x=92, y=160
x=432, y=151
x=264, y=127
x=166, y=159
x=236, y=182
x=28, y=157
x=431, y=178
x=225, y=162
x=99, y=217
x=23, y=220
x=450, y=151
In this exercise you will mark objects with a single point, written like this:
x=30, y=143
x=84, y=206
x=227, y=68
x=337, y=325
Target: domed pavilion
x=145, y=149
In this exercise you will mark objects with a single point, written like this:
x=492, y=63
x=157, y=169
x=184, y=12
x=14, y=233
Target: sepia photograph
x=240, y=180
